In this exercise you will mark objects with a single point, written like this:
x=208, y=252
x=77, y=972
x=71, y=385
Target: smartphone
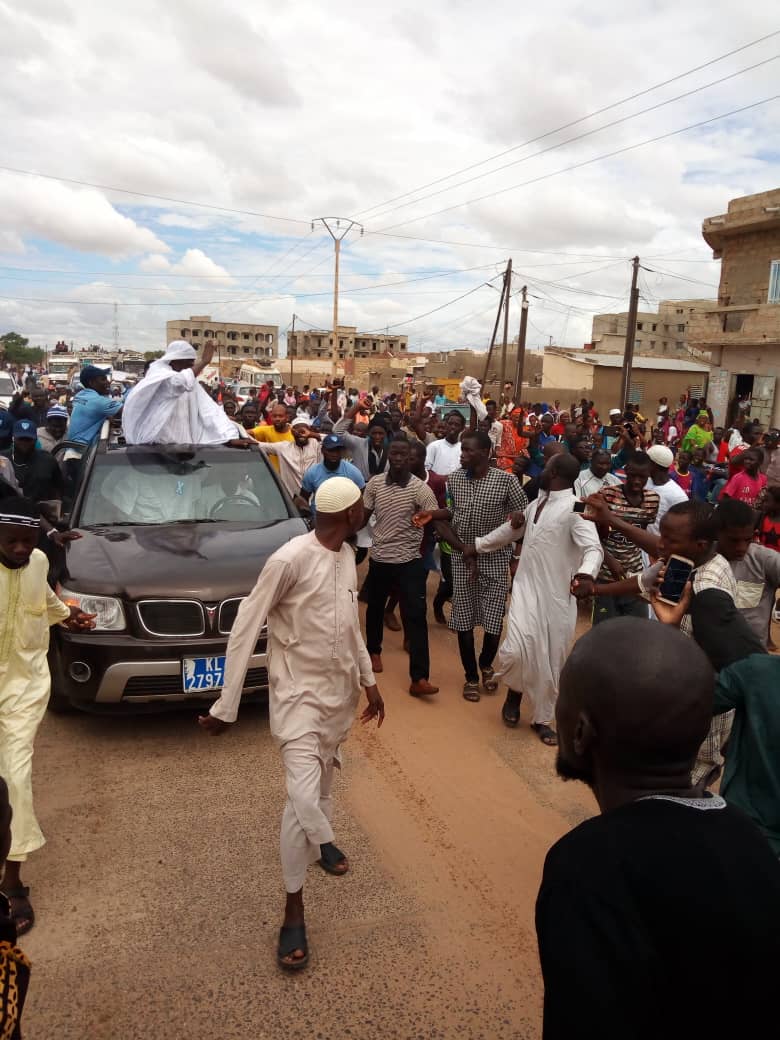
x=678, y=571
x=579, y=507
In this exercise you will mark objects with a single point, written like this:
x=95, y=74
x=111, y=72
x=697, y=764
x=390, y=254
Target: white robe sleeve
x=585, y=535
x=367, y=677
x=503, y=535
x=276, y=578
x=56, y=610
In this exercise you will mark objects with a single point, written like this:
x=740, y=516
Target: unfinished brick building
x=742, y=331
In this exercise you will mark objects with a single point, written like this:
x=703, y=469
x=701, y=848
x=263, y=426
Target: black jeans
x=607, y=607
x=444, y=591
x=409, y=579
x=468, y=654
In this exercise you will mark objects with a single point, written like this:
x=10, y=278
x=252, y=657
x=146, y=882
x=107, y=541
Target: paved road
x=159, y=891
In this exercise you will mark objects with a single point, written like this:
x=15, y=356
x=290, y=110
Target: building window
x=232, y=335
x=679, y=310
x=635, y=393
x=246, y=350
x=245, y=335
x=185, y=333
x=195, y=333
x=681, y=328
x=639, y=326
x=774, y=282
x=209, y=333
x=637, y=344
x=654, y=327
x=231, y=350
x=680, y=345
x=652, y=344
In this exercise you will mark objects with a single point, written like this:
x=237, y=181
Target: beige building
x=571, y=375
x=661, y=333
x=318, y=343
x=741, y=331
x=235, y=341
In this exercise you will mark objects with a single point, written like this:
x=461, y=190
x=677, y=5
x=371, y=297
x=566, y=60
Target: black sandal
x=330, y=858
x=471, y=692
x=510, y=713
x=546, y=734
x=489, y=681
x=24, y=918
x=291, y=938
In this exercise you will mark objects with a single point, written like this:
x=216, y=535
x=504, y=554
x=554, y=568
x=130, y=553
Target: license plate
x=200, y=674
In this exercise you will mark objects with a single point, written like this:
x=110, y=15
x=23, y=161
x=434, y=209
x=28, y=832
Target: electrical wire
x=575, y=122
x=579, y=165
x=578, y=137
x=419, y=317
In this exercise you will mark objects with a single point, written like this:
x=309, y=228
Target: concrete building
x=236, y=342
x=571, y=375
x=661, y=333
x=741, y=331
x=318, y=343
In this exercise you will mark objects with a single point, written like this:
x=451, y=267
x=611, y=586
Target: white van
x=8, y=388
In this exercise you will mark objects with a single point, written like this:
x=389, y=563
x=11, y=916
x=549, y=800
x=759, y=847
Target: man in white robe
x=28, y=607
x=317, y=662
x=169, y=406
x=558, y=546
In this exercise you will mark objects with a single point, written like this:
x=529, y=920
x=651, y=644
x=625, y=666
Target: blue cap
x=333, y=441
x=26, y=428
x=90, y=372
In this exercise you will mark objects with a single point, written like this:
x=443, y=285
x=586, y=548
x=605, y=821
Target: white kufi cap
x=336, y=495
x=661, y=455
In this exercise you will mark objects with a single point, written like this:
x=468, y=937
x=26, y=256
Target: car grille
x=170, y=617
x=228, y=609
x=151, y=685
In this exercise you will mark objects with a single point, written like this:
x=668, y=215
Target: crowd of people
x=548, y=509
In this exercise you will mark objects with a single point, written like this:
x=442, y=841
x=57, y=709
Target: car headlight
x=110, y=616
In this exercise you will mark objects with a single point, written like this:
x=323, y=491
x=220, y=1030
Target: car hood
x=208, y=562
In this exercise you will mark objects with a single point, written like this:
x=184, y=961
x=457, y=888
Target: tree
x=14, y=348
x=152, y=355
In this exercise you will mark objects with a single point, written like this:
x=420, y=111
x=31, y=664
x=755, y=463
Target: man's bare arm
x=206, y=358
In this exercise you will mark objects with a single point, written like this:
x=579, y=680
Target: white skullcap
x=179, y=350
x=661, y=455
x=299, y=420
x=663, y=408
x=336, y=495
x=615, y=411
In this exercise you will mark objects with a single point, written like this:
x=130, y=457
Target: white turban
x=179, y=350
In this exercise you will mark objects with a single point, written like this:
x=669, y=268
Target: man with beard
x=295, y=456
x=317, y=664
x=625, y=894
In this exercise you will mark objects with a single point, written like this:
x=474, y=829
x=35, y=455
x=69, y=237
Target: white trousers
x=20, y=718
x=307, y=814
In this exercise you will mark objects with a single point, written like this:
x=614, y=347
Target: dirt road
x=159, y=892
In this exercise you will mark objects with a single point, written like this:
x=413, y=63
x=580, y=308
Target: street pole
x=507, y=298
x=495, y=329
x=288, y=350
x=521, y=337
x=628, y=356
x=337, y=233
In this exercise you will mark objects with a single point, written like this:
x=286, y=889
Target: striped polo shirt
x=396, y=539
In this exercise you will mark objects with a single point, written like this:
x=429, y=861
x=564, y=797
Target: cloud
x=80, y=218
x=196, y=263
x=155, y=262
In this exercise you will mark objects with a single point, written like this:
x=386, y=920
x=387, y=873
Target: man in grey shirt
x=756, y=568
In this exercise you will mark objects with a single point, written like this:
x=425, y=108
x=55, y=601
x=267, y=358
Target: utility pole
x=628, y=357
x=290, y=352
x=504, y=287
x=116, y=327
x=521, y=337
x=507, y=298
x=337, y=233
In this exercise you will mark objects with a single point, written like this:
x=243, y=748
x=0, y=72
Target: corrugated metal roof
x=640, y=361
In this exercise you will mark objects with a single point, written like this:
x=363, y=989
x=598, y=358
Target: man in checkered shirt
x=480, y=500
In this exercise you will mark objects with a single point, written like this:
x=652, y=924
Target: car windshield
x=7, y=388
x=155, y=485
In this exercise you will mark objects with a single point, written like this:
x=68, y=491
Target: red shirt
x=745, y=488
x=769, y=533
x=684, y=480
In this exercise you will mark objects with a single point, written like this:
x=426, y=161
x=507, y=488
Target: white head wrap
x=336, y=495
x=179, y=350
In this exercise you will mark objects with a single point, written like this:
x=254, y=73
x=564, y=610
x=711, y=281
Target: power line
x=575, y=122
x=679, y=277
x=419, y=317
x=580, y=165
x=150, y=195
x=578, y=137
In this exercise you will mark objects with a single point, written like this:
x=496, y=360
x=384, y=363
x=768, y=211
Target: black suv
x=173, y=538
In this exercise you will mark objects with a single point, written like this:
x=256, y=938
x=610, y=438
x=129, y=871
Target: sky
x=457, y=135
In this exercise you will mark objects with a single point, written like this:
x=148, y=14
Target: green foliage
x=15, y=350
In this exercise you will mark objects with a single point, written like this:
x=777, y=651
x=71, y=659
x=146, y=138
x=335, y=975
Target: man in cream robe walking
x=317, y=662
x=558, y=546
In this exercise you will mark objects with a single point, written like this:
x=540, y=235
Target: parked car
x=173, y=538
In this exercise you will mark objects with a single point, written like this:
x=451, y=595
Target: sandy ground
x=159, y=893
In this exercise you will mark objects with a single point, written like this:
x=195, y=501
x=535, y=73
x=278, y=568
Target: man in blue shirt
x=92, y=405
x=332, y=465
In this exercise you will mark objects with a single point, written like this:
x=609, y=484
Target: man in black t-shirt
x=660, y=918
